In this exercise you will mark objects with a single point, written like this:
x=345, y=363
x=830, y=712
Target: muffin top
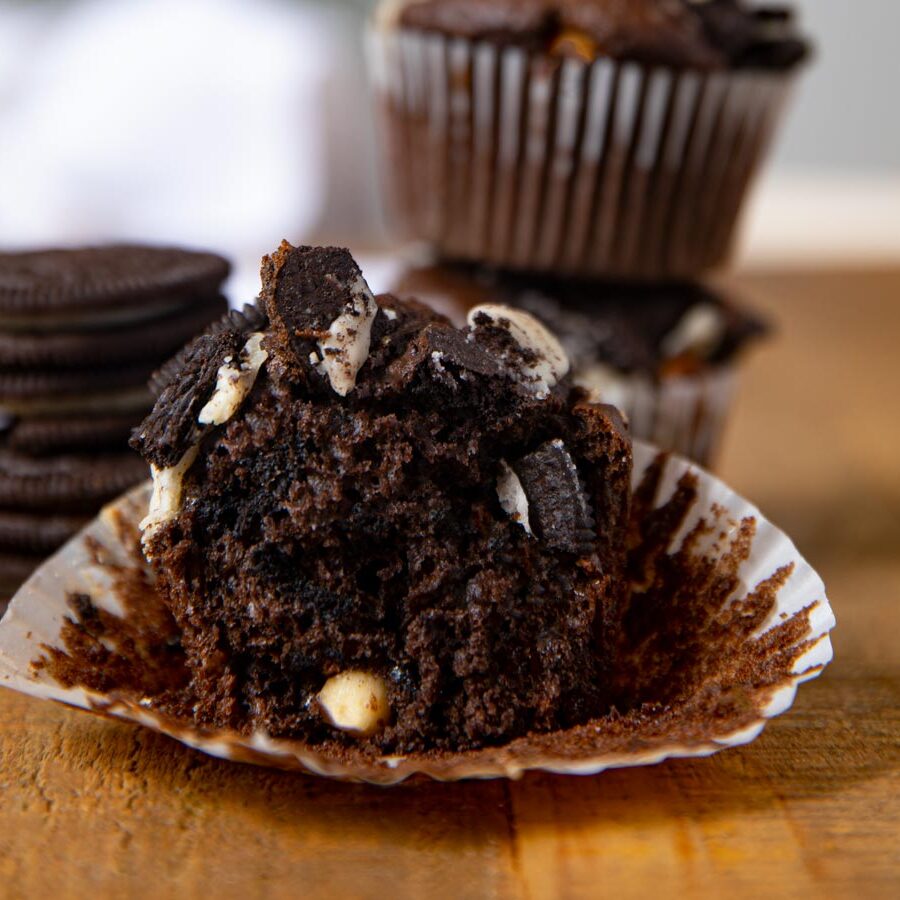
x=708, y=34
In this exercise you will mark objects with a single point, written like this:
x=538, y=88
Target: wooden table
x=91, y=808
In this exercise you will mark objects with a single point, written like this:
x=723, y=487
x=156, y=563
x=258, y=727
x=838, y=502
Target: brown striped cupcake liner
x=606, y=169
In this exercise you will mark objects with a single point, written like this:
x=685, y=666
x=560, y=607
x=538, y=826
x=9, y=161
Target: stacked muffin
x=81, y=331
x=607, y=145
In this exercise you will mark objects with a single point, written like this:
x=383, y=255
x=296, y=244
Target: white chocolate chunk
x=345, y=348
x=551, y=365
x=700, y=331
x=512, y=496
x=233, y=383
x=355, y=701
x=390, y=314
x=165, y=501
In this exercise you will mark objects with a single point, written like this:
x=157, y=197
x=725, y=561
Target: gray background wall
x=847, y=111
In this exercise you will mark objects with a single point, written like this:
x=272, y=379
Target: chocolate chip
x=559, y=511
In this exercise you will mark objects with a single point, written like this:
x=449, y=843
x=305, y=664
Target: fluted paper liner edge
x=526, y=161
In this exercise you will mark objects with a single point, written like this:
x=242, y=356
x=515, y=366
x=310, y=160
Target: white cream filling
x=552, y=361
x=233, y=383
x=168, y=486
x=345, y=348
x=512, y=496
x=437, y=360
x=700, y=331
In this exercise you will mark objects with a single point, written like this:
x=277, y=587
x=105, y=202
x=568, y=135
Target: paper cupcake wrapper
x=742, y=617
x=684, y=414
x=614, y=169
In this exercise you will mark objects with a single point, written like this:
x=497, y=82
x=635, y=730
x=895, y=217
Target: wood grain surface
x=98, y=809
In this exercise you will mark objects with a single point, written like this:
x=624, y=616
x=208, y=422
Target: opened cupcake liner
x=724, y=621
x=527, y=161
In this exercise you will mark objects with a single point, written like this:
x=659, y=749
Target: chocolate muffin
x=375, y=528
x=602, y=138
x=665, y=354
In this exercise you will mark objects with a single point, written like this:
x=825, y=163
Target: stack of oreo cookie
x=81, y=331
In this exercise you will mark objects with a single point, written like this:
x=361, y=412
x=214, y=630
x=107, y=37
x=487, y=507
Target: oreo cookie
x=50, y=281
x=30, y=533
x=148, y=340
x=39, y=437
x=18, y=386
x=242, y=321
x=173, y=428
x=81, y=332
x=133, y=400
x=66, y=483
x=558, y=505
x=15, y=568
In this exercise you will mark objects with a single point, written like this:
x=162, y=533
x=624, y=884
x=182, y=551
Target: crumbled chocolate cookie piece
x=523, y=343
x=559, y=509
x=447, y=356
x=317, y=300
x=245, y=321
x=173, y=428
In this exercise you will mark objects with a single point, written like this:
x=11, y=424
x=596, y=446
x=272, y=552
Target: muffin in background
x=594, y=138
x=666, y=355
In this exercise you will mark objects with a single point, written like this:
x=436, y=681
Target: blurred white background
x=231, y=123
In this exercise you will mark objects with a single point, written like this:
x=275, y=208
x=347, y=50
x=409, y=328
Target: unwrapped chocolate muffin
x=666, y=355
x=612, y=138
x=376, y=529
